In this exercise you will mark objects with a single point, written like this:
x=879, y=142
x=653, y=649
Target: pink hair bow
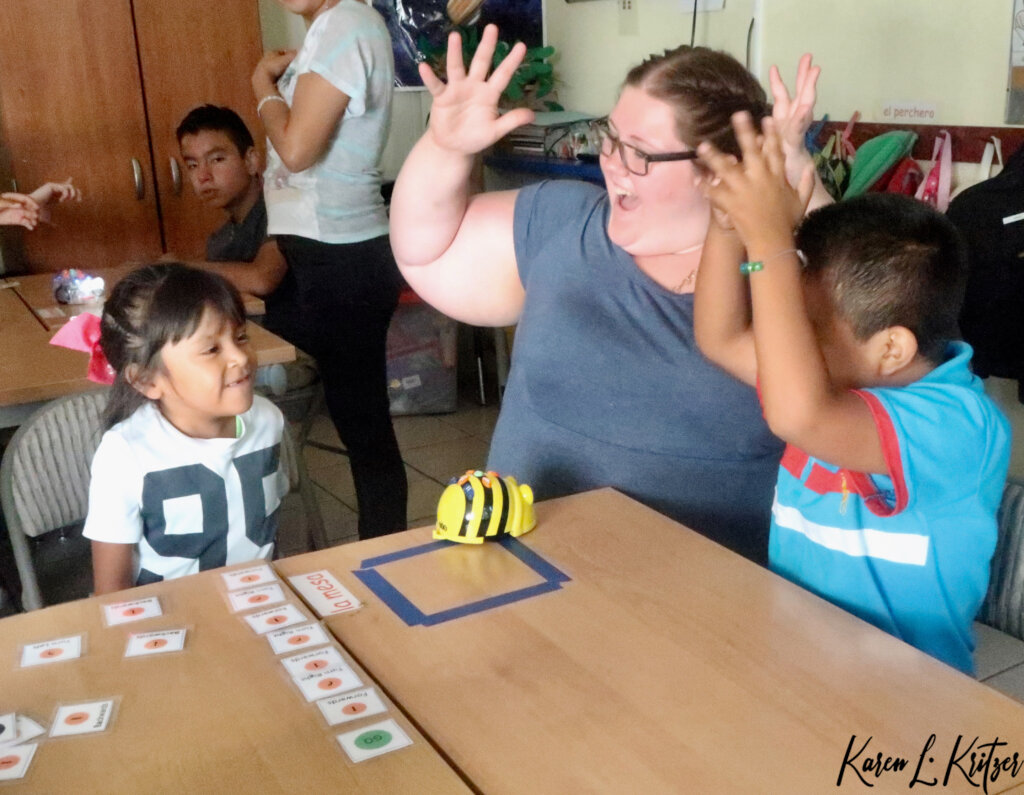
x=82, y=333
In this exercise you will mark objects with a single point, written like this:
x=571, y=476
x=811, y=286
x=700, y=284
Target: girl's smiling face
x=204, y=381
x=663, y=212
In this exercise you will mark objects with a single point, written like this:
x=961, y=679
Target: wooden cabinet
x=94, y=89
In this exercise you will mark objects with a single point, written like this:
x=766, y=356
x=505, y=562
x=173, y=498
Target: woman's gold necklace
x=688, y=279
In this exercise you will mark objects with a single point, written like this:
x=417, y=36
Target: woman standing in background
x=326, y=110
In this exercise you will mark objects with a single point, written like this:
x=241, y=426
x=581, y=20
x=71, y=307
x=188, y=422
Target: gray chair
x=1004, y=604
x=44, y=481
x=44, y=478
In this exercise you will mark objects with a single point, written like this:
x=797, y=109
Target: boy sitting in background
x=888, y=490
x=225, y=171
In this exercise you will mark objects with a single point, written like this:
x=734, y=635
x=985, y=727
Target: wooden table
x=221, y=716
x=32, y=371
x=643, y=658
x=37, y=291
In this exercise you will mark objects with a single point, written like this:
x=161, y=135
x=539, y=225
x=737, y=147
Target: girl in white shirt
x=187, y=476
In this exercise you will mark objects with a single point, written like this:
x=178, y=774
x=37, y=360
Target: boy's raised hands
x=754, y=193
x=464, y=116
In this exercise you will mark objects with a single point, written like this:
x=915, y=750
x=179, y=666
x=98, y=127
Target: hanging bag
x=876, y=160
x=993, y=151
x=835, y=160
x=935, y=189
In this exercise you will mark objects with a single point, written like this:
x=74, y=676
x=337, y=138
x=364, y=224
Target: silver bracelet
x=269, y=98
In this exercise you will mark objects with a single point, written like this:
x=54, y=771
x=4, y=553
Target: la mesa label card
x=159, y=642
x=123, y=612
x=260, y=596
x=324, y=593
x=50, y=651
x=295, y=638
x=248, y=577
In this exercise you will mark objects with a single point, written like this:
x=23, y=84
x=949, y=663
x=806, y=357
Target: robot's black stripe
x=470, y=519
x=505, y=499
x=485, y=513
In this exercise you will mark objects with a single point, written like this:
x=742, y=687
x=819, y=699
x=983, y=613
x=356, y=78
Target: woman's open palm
x=464, y=116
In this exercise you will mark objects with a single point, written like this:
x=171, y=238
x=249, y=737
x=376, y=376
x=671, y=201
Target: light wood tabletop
x=37, y=291
x=33, y=371
x=222, y=715
x=612, y=650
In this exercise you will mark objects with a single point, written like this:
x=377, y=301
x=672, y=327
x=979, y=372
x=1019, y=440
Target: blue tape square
x=404, y=608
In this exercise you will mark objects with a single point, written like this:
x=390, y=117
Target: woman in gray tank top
x=607, y=386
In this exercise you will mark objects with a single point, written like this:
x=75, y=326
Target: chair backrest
x=1004, y=604
x=44, y=477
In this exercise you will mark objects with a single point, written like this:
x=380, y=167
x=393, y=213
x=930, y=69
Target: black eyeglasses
x=635, y=160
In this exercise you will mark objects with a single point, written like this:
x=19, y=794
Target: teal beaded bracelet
x=746, y=268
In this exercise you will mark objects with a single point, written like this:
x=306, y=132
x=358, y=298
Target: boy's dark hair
x=150, y=307
x=218, y=119
x=891, y=261
x=704, y=87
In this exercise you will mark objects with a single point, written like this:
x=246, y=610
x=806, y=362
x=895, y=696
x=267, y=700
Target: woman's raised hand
x=793, y=114
x=464, y=116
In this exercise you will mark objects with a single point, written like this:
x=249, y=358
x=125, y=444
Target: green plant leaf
x=539, y=53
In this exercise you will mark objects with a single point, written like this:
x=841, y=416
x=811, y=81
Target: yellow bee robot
x=484, y=505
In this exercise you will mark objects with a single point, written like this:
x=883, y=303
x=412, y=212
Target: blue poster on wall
x=419, y=28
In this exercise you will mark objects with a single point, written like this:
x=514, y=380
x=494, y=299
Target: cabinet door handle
x=140, y=187
x=175, y=176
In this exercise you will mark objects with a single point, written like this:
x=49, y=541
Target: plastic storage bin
x=421, y=351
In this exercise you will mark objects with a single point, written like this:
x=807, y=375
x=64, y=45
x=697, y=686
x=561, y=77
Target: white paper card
x=351, y=706
x=27, y=729
x=328, y=682
x=123, y=612
x=158, y=642
x=14, y=761
x=371, y=741
x=247, y=577
x=85, y=718
x=50, y=651
x=324, y=593
x=313, y=661
x=274, y=618
x=8, y=728
x=295, y=638
x=260, y=596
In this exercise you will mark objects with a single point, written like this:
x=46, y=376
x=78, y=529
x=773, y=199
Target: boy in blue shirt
x=895, y=462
